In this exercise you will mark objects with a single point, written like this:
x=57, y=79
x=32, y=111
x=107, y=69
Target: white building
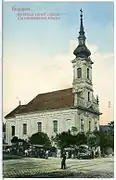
x=58, y=111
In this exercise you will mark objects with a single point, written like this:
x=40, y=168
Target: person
x=92, y=154
x=47, y=154
x=8, y=150
x=67, y=155
x=26, y=152
x=63, y=162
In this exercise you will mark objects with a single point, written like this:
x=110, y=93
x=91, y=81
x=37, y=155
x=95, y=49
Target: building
x=58, y=111
x=104, y=128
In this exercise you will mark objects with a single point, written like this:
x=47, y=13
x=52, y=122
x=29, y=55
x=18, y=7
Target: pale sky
x=37, y=54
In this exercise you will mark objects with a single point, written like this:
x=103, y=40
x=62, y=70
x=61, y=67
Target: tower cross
x=81, y=11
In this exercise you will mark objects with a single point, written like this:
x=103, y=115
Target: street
x=35, y=167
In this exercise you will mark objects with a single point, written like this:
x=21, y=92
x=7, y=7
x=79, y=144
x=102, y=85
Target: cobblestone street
x=35, y=167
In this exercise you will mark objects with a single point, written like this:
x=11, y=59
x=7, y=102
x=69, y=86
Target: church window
x=13, y=130
x=87, y=73
x=79, y=72
x=82, y=125
x=96, y=126
x=68, y=124
x=89, y=125
x=88, y=96
x=39, y=126
x=24, y=128
x=55, y=126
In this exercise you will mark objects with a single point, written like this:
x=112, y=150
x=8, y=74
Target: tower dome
x=81, y=50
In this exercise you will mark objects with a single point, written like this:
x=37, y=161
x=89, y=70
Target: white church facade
x=58, y=111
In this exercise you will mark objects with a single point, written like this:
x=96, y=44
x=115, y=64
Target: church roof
x=15, y=111
x=47, y=101
x=82, y=51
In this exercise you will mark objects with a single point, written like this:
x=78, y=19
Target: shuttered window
x=24, y=128
x=39, y=126
x=55, y=126
x=13, y=130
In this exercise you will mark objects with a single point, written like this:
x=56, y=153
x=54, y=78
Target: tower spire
x=81, y=24
x=81, y=37
x=81, y=50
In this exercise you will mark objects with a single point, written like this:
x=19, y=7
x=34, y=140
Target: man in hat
x=63, y=162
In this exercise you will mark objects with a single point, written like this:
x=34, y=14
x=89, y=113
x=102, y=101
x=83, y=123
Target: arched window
x=55, y=126
x=13, y=130
x=79, y=72
x=88, y=96
x=82, y=125
x=24, y=128
x=89, y=125
x=39, y=126
x=96, y=126
x=87, y=73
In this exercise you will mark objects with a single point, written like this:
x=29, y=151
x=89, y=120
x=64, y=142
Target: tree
x=23, y=143
x=40, y=138
x=65, y=139
x=111, y=128
x=92, y=140
x=14, y=140
x=111, y=133
x=97, y=134
x=107, y=137
x=81, y=138
x=104, y=139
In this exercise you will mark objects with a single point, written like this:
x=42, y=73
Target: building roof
x=47, y=101
x=15, y=111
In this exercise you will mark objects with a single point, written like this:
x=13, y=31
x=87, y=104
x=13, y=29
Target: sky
x=37, y=54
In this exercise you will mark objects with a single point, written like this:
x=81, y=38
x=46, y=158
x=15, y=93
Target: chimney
x=19, y=103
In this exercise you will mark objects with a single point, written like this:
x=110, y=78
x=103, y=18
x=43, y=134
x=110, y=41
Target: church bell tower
x=82, y=74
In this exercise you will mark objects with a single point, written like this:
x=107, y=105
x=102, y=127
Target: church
x=58, y=111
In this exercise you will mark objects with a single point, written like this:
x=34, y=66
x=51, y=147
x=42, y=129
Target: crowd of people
x=41, y=153
x=46, y=153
